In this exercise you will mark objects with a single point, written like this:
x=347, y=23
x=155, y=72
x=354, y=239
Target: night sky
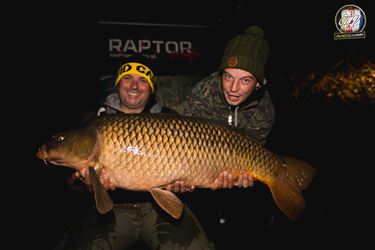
x=62, y=64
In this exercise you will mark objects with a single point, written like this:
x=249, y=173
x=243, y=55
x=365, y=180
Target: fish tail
x=287, y=188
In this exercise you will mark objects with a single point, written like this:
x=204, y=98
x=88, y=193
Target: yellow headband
x=136, y=68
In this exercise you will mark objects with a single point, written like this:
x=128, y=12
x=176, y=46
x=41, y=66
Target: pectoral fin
x=168, y=201
x=102, y=200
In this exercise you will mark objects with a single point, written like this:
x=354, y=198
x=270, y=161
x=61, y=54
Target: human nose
x=234, y=86
x=134, y=84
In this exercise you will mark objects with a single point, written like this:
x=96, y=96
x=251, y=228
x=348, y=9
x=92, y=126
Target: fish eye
x=59, y=138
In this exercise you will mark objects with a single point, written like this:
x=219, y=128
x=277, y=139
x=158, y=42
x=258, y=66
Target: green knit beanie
x=248, y=51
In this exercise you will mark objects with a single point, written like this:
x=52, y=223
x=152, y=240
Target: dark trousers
x=136, y=226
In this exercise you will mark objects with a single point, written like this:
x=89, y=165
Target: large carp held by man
x=147, y=152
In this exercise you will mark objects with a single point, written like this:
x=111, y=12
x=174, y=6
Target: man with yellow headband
x=137, y=69
x=134, y=221
x=135, y=87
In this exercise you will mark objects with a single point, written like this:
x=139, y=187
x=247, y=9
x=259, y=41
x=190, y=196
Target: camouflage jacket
x=255, y=116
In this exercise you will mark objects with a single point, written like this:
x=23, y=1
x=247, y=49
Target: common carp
x=147, y=152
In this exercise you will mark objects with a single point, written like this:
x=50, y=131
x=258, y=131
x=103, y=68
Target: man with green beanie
x=236, y=95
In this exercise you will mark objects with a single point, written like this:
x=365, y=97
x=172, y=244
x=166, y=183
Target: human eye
x=143, y=80
x=247, y=80
x=227, y=77
x=127, y=78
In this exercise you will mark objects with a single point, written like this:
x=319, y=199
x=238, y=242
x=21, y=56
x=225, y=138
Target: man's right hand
x=225, y=180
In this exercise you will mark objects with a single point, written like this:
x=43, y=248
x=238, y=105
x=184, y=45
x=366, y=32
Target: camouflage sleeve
x=183, y=109
x=199, y=102
x=260, y=135
x=265, y=118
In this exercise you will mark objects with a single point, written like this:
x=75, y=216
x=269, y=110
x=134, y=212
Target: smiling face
x=237, y=85
x=134, y=92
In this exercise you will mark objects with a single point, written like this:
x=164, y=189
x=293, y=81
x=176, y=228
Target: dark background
x=56, y=82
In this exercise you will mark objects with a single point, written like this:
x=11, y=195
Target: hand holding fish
x=226, y=180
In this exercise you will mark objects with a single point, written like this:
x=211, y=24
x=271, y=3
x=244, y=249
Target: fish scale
x=196, y=139
x=146, y=152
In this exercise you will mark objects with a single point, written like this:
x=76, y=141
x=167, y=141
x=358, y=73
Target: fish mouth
x=42, y=153
x=58, y=160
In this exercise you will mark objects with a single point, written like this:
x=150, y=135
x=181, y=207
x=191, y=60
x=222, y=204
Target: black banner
x=176, y=49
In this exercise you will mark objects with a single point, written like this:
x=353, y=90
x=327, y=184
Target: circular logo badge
x=232, y=61
x=350, y=18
